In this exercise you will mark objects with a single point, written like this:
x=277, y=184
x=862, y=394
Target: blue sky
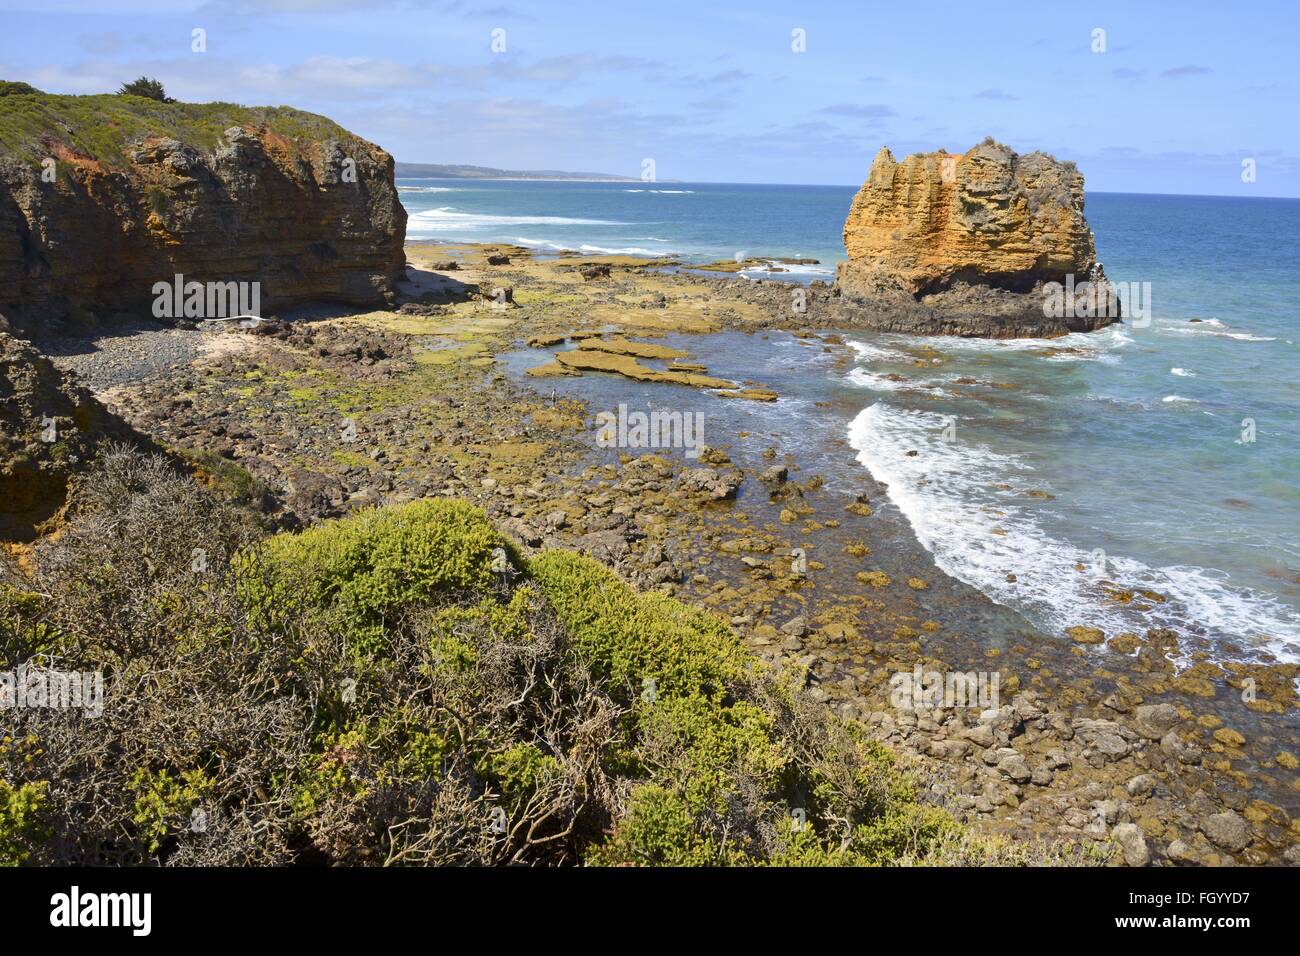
x=1181, y=95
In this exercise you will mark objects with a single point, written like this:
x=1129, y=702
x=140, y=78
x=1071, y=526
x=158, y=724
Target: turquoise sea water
x=1172, y=450
x=700, y=222
x=1054, y=474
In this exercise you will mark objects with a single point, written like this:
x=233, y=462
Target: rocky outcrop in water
x=970, y=243
x=103, y=197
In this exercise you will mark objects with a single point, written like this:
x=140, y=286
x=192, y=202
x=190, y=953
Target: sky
x=1185, y=97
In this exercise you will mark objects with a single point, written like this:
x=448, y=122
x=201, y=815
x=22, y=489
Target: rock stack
x=970, y=244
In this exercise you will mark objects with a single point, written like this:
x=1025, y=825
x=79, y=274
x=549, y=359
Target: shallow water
x=695, y=222
x=968, y=500
x=1172, y=450
x=1158, y=455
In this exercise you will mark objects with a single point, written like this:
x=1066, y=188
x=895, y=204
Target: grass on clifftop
x=102, y=125
x=400, y=687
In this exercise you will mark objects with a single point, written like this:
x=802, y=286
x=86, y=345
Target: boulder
x=712, y=482
x=1153, y=721
x=1227, y=830
x=1132, y=844
x=795, y=627
x=1015, y=768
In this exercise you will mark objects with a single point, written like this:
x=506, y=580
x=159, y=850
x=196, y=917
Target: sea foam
x=554, y=246
x=979, y=532
x=447, y=219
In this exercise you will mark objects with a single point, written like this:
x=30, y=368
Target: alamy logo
x=75, y=908
x=921, y=689
x=179, y=299
x=36, y=688
x=1102, y=299
x=661, y=428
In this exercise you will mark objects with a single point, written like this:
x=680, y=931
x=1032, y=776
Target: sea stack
x=980, y=243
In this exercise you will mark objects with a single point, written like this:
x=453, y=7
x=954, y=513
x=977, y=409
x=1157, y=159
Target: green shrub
x=371, y=691
x=521, y=769
x=19, y=820
x=728, y=757
x=902, y=831
x=721, y=746
x=164, y=802
x=326, y=773
x=24, y=632
x=658, y=829
x=223, y=476
x=365, y=571
x=630, y=639
x=147, y=87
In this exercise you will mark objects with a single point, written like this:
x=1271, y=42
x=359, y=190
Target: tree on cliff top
x=148, y=87
x=14, y=87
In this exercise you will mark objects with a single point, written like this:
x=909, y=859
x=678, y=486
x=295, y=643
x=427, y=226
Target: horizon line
x=614, y=180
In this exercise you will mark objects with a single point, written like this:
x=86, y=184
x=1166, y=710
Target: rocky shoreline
x=1102, y=740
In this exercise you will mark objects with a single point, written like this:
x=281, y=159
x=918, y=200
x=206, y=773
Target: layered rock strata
x=102, y=198
x=981, y=243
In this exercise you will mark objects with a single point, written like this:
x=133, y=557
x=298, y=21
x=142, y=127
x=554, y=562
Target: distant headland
x=457, y=171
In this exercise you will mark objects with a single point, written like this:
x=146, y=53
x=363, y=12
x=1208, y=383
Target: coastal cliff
x=968, y=244
x=101, y=197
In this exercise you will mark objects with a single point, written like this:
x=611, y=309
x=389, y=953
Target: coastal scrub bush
x=366, y=570
x=19, y=820
x=147, y=87
x=724, y=761
x=384, y=690
x=631, y=638
x=134, y=591
x=470, y=736
x=23, y=633
x=142, y=557
x=226, y=478
x=102, y=126
x=164, y=802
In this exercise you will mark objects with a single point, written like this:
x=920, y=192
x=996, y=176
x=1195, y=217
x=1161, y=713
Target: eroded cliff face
x=965, y=244
x=311, y=214
x=50, y=428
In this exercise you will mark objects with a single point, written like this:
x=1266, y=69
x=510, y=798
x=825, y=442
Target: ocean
x=696, y=222
x=1143, y=476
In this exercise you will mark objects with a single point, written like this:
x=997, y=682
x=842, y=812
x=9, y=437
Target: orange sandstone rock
x=987, y=217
